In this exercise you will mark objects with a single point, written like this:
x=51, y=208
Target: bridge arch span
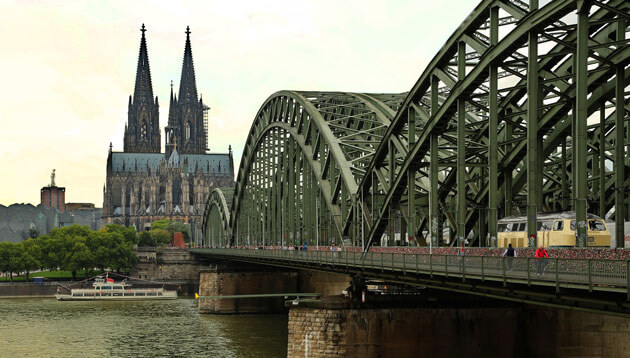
x=303, y=157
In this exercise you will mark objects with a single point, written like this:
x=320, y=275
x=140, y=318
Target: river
x=45, y=327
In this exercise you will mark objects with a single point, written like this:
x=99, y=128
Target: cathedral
x=143, y=184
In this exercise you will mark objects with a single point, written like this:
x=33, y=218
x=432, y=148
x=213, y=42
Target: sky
x=68, y=67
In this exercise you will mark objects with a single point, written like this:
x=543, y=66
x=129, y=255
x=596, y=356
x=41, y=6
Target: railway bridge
x=523, y=110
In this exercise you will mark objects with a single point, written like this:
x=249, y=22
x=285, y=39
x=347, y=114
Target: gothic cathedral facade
x=143, y=184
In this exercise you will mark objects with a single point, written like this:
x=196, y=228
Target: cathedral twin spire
x=185, y=122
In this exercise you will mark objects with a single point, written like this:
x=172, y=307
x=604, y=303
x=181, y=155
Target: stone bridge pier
x=413, y=323
x=449, y=325
x=222, y=278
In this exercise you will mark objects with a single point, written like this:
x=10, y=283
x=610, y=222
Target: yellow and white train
x=554, y=230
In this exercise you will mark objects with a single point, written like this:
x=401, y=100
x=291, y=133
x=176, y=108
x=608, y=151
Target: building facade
x=143, y=184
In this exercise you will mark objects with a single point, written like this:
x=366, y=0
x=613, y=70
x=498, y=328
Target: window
x=573, y=225
x=544, y=226
x=187, y=131
x=596, y=225
x=143, y=131
x=502, y=227
x=558, y=225
x=522, y=227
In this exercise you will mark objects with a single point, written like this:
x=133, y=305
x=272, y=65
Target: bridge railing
x=598, y=274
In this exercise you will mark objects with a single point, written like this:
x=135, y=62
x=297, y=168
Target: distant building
x=53, y=196
x=18, y=220
x=143, y=184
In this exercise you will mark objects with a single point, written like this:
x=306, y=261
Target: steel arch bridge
x=525, y=108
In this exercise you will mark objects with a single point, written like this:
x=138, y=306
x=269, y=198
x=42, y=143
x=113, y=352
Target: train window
x=558, y=225
x=573, y=225
x=544, y=226
x=596, y=225
x=522, y=227
x=502, y=227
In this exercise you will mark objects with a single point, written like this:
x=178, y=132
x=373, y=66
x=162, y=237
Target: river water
x=45, y=327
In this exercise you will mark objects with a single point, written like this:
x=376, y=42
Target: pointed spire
x=143, y=91
x=187, y=84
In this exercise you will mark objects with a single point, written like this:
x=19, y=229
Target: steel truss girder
x=335, y=135
x=440, y=122
x=216, y=219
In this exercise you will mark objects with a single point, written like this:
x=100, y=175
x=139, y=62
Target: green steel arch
x=523, y=108
x=304, y=155
x=216, y=220
x=531, y=77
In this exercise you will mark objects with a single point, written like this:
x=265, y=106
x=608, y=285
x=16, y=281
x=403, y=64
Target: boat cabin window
x=117, y=293
x=106, y=294
x=159, y=293
x=151, y=293
x=558, y=225
x=106, y=287
x=596, y=225
x=140, y=293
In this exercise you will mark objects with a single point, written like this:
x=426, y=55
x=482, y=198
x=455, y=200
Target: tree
x=31, y=256
x=129, y=233
x=160, y=224
x=172, y=227
x=178, y=226
x=145, y=239
x=78, y=258
x=33, y=232
x=161, y=236
x=6, y=250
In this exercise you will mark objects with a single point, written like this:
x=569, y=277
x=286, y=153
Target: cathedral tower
x=185, y=117
x=142, y=132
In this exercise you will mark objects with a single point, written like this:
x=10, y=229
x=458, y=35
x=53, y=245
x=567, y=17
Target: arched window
x=187, y=131
x=143, y=130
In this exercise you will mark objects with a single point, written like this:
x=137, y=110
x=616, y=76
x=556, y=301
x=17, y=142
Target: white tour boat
x=107, y=289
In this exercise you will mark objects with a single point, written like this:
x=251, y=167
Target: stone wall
x=317, y=333
x=324, y=283
x=508, y=331
x=217, y=281
x=165, y=264
x=27, y=289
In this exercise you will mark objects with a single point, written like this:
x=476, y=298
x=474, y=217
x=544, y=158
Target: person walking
x=541, y=255
x=509, y=254
x=461, y=252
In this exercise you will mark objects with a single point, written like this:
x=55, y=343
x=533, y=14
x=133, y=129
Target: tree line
x=72, y=248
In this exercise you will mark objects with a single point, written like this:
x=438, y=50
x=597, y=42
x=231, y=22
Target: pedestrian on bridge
x=541, y=255
x=509, y=254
